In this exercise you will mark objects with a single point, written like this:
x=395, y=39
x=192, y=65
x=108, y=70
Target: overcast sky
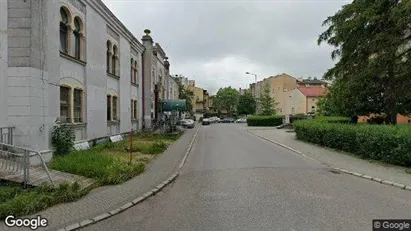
x=216, y=42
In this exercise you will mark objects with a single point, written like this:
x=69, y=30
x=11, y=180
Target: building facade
x=292, y=95
x=75, y=62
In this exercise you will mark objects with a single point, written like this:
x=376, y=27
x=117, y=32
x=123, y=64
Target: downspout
x=142, y=90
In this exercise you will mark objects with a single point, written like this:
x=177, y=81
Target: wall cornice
x=115, y=24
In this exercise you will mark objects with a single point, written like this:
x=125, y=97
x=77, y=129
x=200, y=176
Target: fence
x=16, y=160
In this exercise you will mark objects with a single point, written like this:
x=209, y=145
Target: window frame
x=109, y=117
x=78, y=105
x=77, y=39
x=67, y=105
x=64, y=29
x=135, y=109
x=114, y=105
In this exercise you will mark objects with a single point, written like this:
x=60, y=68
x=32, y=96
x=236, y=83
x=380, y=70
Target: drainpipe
x=143, y=99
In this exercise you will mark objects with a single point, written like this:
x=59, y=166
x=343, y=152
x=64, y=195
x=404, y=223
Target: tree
x=371, y=40
x=187, y=94
x=226, y=99
x=246, y=104
x=267, y=103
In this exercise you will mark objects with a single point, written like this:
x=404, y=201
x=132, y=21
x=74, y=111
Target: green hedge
x=390, y=144
x=264, y=121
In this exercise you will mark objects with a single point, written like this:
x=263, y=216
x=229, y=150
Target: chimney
x=146, y=78
x=166, y=64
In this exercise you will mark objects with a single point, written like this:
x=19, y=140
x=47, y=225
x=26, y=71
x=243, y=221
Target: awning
x=174, y=105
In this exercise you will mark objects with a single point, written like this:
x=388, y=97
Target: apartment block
x=74, y=61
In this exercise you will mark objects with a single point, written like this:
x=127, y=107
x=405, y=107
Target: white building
x=75, y=61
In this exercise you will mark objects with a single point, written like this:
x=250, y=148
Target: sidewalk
x=104, y=199
x=336, y=159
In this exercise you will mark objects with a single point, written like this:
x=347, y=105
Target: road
x=233, y=180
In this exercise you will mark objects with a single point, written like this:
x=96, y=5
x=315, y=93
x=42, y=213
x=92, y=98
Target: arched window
x=108, y=56
x=63, y=30
x=76, y=33
x=132, y=71
x=113, y=61
x=135, y=72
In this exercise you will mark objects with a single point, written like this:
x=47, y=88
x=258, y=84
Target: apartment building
x=75, y=61
x=292, y=95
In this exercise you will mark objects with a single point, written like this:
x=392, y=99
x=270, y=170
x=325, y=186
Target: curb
x=136, y=201
x=364, y=176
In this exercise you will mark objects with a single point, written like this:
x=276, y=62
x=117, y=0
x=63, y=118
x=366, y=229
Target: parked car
x=187, y=123
x=227, y=120
x=214, y=119
x=205, y=121
x=241, y=120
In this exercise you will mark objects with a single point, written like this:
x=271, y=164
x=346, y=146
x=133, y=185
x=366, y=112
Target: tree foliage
x=226, y=99
x=266, y=102
x=372, y=45
x=187, y=94
x=246, y=104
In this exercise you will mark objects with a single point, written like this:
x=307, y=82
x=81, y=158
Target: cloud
x=216, y=42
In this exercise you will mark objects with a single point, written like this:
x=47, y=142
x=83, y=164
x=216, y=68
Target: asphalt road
x=233, y=180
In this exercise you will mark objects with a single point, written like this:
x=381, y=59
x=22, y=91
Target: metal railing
x=6, y=135
x=15, y=160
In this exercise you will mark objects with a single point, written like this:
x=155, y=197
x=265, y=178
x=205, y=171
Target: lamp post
x=255, y=83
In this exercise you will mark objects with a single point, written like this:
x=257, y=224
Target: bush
x=390, y=144
x=62, y=138
x=264, y=121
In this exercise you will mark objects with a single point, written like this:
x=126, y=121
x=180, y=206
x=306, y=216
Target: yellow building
x=200, y=99
x=292, y=95
x=303, y=99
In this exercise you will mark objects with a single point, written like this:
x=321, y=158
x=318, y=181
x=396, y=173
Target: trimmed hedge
x=264, y=121
x=390, y=144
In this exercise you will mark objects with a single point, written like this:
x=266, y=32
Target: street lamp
x=255, y=83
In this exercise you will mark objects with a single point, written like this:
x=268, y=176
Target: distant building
x=243, y=91
x=191, y=83
x=292, y=95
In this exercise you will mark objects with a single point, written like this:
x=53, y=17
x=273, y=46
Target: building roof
x=313, y=91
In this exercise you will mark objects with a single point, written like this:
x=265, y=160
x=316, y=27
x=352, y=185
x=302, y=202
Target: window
x=108, y=56
x=78, y=106
x=313, y=108
x=114, y=108
x=132, y=109
x=132, y=71
x=63, y=30
x=135, y=109
x=108, y=108
x=113, y=61
x=135, y=72
x=65, y=104
x=76, y=33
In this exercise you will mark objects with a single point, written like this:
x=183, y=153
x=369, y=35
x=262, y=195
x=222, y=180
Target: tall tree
x=371, y=40
x=187, y=94
x=246, y=104
x=267, y=103
x=226, y=99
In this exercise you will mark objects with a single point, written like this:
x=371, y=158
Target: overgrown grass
x=14, y=200
x=109, y=163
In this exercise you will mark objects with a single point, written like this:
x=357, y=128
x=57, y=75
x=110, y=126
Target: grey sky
x=216, y=42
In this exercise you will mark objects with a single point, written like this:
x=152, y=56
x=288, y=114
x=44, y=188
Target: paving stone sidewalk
x=107, y=198
x=334, y=158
